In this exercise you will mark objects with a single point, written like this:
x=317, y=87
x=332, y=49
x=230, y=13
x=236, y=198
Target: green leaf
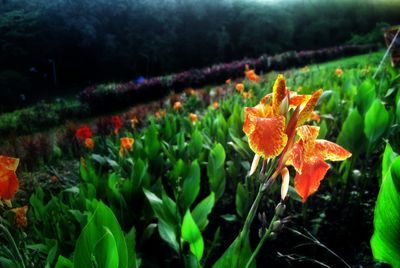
x=105, y=251
x=242, y=200
x=169, y=234
x=192, y=235
x=63, y=262
x=130, y=240
x=195, y=144
x=385, y=242
x=216, y=170
x=88, y=173
x=365, y=96
x=388, y=156
x=100, y=223
x=191, y=186
x=202, y=210
x=351, y=135
x=237, y=255
x=152, y=144
x=376, y=121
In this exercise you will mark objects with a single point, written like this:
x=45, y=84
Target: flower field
x=297, y=168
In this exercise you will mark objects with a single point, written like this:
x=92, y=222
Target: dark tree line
x=91, y=41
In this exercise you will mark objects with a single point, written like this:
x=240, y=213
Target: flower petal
x=267, y=136
x=309, y=107
x=254, y=164
x=296, y=100
x=9, y=163
x=296, y=157
x=331, y=151
x=250, y=115
x=308, y=133
x=278, y=93
x=313, y=171
x=8, y=183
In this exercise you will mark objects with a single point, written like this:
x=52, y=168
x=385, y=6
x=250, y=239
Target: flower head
x=308, y=158
x=116, y=120
x=339, y=72
x=239, y=87
x=193, y=117
x=134, y=121
x=252, y=76
x=177, y=106
x=9, y=183
x=20, y=216
x=89, y=143
x=126, y=145
x=83, y=132
x=215, y=105
x=228, y=81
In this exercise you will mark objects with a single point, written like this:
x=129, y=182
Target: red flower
x=9, y=183
x=84, y=132
x=116, y=119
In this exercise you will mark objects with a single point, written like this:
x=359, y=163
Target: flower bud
x=285, y=183
x=254, y=164
x=280, y=209
x=272, y=236
x=284, y=106
x=277, y=226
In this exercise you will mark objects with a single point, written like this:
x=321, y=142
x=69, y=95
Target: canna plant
x=277, y=135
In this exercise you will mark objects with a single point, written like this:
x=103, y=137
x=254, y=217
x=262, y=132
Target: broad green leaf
x=385, y=242
x=388, y=156
x=351, y=135
x=323, y=130
x=216, y=170
x=237, y=255
x=202, y=210
x=242, y=200
x=195, y=144
x=365, y=96
x=191, y=234
x=152, y=144
x=102, y=219
x=160, y=209
x=105, y=251
x=376, y=121
x=191, y=186
x=168, y=233
x=88, y=173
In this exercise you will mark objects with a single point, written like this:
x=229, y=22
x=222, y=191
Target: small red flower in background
x=246, y=95
x=83, y=132
x=126, y=145
x=228, y=81
x=160, y=113
x=308, y=158
x=20, y=216
x=89, y=143
x=9, y=183
x=116, y=120
x=54, y=179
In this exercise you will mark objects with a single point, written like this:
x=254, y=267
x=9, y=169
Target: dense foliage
x=177, y=187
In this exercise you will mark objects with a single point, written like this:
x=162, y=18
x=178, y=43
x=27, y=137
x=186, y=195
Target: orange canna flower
x=9, y=183
x=89, y=143
x=239, y=87
x=308, y=158
x=215, y=105
x=339, y=72
x=265, y=124
x=177, y=106
x=190, y=91
x=126, y=145
x=20, y=216
x=228, y=81
x=193, y=117
x=252, y=76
